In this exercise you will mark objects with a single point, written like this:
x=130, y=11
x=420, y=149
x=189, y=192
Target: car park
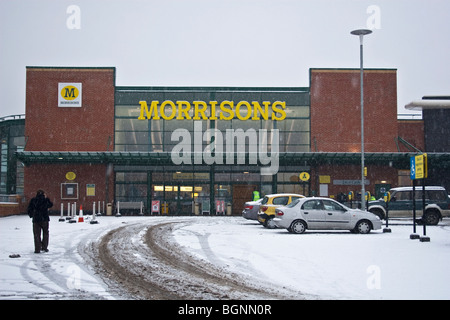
x=400, y=205
x=315, y=213
x=270, y=203
x=251, y=209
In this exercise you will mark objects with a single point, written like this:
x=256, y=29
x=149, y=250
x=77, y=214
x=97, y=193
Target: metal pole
x=424, y=238
x=361, y=33
x=423, y=208
x=363, y=189
x=414, y=235
x=414, y=205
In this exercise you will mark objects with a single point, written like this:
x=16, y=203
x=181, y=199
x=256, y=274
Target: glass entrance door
x=178, y=197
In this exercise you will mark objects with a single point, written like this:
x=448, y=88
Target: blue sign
x=418, y=166
x=412, y=165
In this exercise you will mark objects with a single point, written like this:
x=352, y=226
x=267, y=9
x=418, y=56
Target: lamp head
x=361, y=33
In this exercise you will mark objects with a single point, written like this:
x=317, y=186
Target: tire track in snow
x=143, y=261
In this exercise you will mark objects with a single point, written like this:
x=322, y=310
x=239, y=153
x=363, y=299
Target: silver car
x=251, y=209
x=324, y=214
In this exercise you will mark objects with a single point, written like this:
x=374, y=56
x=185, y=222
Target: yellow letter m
x=153, y=110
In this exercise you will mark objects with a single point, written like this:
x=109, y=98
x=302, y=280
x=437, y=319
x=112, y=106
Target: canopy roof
x=395, y=159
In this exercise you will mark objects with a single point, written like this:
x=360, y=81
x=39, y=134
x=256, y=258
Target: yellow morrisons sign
x=200, y=110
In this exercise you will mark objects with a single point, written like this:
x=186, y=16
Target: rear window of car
x=280, y=200
x=293, y=203
x=265, y=200
x=436, y=195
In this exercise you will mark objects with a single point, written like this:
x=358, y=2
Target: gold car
x=270, y=203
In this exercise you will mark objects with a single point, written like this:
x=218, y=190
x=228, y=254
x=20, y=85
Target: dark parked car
x=437, y=204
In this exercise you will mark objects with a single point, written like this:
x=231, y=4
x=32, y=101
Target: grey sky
x=226, y=42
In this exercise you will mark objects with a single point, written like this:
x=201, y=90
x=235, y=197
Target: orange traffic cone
x=80, y=218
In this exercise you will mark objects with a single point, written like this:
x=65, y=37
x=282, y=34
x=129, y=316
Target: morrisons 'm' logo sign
x=69, y=94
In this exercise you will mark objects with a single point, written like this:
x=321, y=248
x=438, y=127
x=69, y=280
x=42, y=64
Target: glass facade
x=12, y=139
x=132, y=134
x=197, y=189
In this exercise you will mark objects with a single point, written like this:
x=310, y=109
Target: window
x=312, y=205
x=280, y=200
x=332, y=206
x=403, y=195
x=436, y=195
x=293, y=203
x=132, y=134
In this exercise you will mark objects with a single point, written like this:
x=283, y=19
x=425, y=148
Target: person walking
x=38, y=210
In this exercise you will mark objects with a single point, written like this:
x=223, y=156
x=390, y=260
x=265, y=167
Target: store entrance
x=177, y=196
x=241, y=194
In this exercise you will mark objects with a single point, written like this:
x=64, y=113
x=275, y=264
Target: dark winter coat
x=38, y=208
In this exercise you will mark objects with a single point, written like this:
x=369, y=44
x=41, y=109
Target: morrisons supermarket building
x=198, y=150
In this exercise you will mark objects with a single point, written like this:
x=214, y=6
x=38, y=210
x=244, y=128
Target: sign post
x=419, y=170
x=387, y=198
x=351, y=196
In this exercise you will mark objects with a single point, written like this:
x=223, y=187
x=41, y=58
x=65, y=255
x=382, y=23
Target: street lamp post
x=361, y=33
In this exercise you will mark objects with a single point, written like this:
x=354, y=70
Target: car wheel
x=363, y=227
x=298, y=226
x=431, y=217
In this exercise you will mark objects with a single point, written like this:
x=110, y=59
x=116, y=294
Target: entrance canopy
x=395, y=159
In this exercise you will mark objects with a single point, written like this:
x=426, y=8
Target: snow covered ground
x=319, y=265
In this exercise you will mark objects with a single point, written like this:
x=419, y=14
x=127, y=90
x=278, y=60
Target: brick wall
x=413, y=132
x=336, y=112
x=86, y=128
x=52, y=128
x=50, y=177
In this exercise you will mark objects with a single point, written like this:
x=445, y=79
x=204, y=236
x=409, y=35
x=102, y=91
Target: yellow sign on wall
x=90, y=189
x=304, y=176
x=71, y=176
x=69, y=94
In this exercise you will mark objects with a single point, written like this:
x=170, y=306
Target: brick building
x=87, y=140
x=89, y=127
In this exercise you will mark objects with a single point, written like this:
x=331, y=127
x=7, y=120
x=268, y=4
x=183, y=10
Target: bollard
x=141, y=213
x=94, y=221
x=61, y=218
x=68, y=211
x=118, y=209
x=72, y=217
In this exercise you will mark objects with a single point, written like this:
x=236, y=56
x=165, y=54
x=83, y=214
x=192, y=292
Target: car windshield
x=293, y=203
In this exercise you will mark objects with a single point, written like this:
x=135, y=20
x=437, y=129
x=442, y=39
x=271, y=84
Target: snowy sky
x=225, y=42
